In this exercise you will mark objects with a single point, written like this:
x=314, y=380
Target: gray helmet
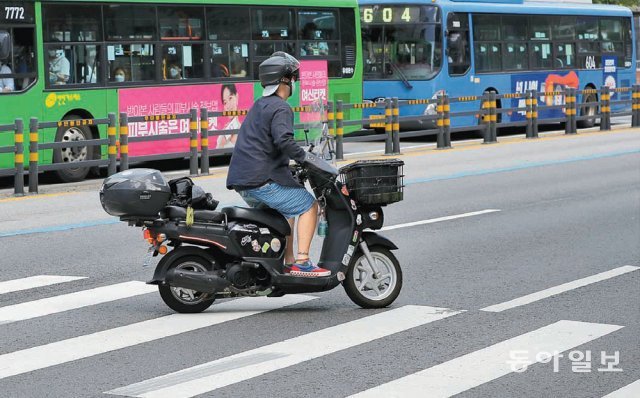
x=280, y=65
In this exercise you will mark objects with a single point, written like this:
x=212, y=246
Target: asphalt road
x=549, y=268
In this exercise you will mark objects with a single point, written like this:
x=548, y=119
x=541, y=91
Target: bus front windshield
x=402, y=52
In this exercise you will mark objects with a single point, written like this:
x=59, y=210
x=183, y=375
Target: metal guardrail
x=488, y=114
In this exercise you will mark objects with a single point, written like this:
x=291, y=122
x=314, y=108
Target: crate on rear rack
x=374, y=182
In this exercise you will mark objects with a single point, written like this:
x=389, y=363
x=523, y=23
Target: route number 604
x=14, y=12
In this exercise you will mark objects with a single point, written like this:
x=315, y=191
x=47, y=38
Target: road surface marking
x=71, y=301
x=32, y=282
x=40, y=357
x=629, y=391
x=552, y=291
x=435, y=220
x=233, y=369
x=482, y=366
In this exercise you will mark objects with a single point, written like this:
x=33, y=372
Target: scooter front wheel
x=186, y=300
x=377, y=286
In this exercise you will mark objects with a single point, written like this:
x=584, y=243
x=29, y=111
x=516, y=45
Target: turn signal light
x=162, y=250
x=148, y=236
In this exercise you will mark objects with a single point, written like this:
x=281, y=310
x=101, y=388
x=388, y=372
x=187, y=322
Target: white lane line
x=71, y=301
x=435, y=220
x=629, y=391
x=482, y=366
x=210, y=376
x=32, y=282
x=552, y=291
x=40, y=357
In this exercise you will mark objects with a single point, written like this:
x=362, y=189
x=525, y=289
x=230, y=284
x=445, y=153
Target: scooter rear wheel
x=186, y=300
x=368, y=289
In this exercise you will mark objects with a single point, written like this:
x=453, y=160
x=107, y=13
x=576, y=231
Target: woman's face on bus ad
x=229, y=100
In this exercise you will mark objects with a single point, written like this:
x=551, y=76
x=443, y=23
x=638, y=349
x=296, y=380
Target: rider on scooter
x=259, y=168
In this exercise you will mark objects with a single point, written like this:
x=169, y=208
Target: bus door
x=458, y=56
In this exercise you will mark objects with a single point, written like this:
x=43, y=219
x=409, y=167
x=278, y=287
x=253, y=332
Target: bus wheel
x=591, y=110
x=73, y=154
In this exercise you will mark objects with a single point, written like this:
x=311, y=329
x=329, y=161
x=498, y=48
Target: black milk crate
x=374, y=182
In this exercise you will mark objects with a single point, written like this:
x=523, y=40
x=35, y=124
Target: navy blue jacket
x=264, y=146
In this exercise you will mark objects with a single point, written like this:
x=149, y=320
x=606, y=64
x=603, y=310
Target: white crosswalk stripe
x=71, y=301
x=565, y=287
x=482, y=366
x=629, y=391
x=246, y=365
x=30, y=359
x=32, y=282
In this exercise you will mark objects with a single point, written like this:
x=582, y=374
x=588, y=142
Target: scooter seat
x=177, y=212
x=268, y=217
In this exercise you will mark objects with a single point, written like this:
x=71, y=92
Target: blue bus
x=418, y=49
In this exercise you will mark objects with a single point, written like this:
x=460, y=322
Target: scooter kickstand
x=367, y=255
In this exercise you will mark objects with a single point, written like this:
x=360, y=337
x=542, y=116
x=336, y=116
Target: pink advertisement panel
x=314, y=86
x=180, y=99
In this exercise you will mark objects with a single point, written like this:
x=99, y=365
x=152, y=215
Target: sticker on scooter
x=355, y=237
x=346, y=259
x=350, y=250
x=264, y=231
x=276, y=245
x=245, y=239
x=255, y=245
x=265, y=247
x=241, y=228
x=359, y=219
x=340, y=276
x=353, y=205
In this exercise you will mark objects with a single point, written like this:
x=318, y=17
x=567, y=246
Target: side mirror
x=5, y=44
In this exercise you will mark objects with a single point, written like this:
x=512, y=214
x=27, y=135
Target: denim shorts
x=289, y=201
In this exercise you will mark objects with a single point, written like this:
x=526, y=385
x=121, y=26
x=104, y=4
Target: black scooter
x=239, y=251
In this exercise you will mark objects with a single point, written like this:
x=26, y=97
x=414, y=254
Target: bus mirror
x=5, y=44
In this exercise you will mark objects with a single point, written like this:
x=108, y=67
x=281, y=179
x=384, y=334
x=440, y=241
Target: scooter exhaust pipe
x=204, y=282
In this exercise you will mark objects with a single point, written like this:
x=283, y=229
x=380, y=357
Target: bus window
x=228, y=23
x=488, y=56
x=229, y=28
x=458, y=52
x=229, y=60
x=486, y=27
x=134, y=61
x=564, y=28
x=514, y=28
x=565, y=56
x=628, y=43
x=587, y=28
x=182, y=61
x=129, y=22
x=541, y=56
x=79, y=23
x=611, y=35
x=540, y=27
x=180, y=23
x=516, y=56
x=273, y=24
x=69, y=59
x=17, y=59
x=317, y=29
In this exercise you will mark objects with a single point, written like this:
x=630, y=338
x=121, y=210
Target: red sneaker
x=307, y=269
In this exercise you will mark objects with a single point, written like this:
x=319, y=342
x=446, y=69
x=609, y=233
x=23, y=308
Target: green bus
x=65, y=60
